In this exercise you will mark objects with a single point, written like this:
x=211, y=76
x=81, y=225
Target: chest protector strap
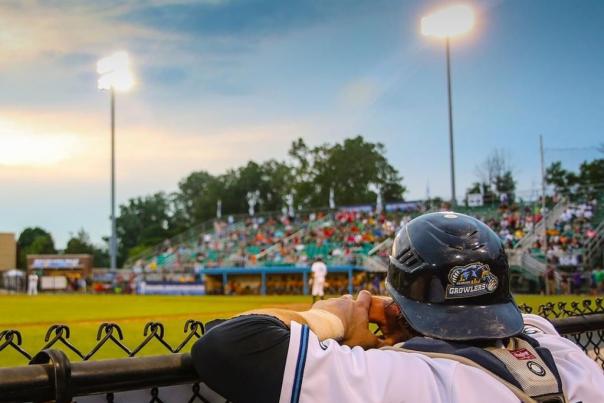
x=524, y=367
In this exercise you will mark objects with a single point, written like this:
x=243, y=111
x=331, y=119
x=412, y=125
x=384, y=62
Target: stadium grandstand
x=271, y=253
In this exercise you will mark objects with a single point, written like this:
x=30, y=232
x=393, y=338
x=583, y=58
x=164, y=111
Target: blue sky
x=223, y=81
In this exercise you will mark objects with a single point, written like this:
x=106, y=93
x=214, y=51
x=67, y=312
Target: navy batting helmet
x=449, y=274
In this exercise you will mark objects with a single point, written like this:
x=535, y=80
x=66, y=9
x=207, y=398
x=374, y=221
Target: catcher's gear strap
x=524, y=367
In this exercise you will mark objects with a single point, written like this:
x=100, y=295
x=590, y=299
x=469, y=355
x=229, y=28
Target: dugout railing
x=52, y=376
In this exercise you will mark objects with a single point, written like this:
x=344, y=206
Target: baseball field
x=32, y=316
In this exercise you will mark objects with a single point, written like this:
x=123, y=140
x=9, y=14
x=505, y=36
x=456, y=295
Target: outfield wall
x=280, y=280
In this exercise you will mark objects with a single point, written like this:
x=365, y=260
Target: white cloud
x=32, y=30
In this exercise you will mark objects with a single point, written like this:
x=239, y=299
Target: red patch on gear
x=522, y=354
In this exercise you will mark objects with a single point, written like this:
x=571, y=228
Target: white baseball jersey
x=319, y=270
x=327, y=372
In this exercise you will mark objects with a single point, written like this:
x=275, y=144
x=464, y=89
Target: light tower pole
x=447, y=23
x=114, y=75
x=113, y=241
x=451, y=147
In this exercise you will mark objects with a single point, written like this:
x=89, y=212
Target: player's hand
x=354, y=315
x=386, y=314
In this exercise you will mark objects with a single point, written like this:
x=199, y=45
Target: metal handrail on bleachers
x=594, y=249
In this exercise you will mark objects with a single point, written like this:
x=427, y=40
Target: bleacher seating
x=340, y=237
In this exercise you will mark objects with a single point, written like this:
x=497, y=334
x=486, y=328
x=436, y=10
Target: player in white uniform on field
x=319, y=272
x=450, y=333
x=32, y=284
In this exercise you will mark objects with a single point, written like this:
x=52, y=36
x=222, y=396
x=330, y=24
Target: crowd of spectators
x=346, y=237
x=566, y=242
x=340, y=237
x=512, y=226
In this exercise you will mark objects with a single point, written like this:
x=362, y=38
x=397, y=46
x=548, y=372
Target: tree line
x=588, y=181
x=353, y=171
x=496, y=177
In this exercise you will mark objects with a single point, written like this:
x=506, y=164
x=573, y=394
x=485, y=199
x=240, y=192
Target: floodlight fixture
x=114, y=72
x=448, y=22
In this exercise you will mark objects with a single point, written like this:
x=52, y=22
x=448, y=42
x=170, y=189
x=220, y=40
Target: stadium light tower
x=444, y=24
x=114, y=75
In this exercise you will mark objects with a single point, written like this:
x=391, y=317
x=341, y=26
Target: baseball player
x=319, y=272
x=450, y=333
x=32, y=284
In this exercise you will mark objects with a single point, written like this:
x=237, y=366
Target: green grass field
x=32, y=316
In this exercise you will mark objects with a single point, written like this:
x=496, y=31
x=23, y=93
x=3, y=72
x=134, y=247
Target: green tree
x=588, y=181
x=561, y=179
x=33, y=241
x=197, y=196
x=505, y=184
x=81, y=244
x=488, y=196
x=496, y=176
x=354, y=169
x=475, y=188
x=591, y=176
x=144, y=221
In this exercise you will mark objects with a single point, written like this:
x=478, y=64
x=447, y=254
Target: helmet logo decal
x=471, y=280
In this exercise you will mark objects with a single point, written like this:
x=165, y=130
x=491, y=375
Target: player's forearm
x=325, y=324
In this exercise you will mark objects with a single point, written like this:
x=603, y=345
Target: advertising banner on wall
x=167, y=288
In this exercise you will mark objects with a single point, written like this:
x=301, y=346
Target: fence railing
x=593, y=250
x=538, y=230
x=51, y=376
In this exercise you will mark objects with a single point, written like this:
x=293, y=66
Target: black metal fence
x=579, y=321
x=50, y=375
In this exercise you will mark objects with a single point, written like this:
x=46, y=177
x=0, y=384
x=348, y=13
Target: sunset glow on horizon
x=24, y=146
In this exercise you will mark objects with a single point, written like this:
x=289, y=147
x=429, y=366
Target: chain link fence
x=172, y=378
x=585, y=324
x=57, y=337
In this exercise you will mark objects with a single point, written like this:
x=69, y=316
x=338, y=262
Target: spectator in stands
x=593, y=284
x=577, y=282
x=599, y=280
x=550, y=279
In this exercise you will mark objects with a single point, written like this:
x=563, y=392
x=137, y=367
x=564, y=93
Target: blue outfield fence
x=51, y=376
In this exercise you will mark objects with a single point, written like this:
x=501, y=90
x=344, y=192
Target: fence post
x=305, y=282
x=349, y=281
x=263, y=283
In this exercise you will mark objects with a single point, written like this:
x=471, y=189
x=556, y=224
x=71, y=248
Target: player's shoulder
x=543, y=331
x=536, y=325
